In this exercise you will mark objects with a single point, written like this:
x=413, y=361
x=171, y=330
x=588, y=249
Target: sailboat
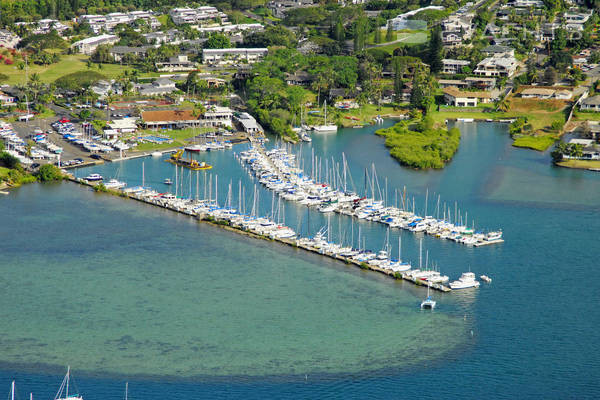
x=428, y=303
x=64, y=389
x=325, y=128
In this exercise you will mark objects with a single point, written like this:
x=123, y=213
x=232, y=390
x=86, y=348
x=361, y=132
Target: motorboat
x=168, y=181
x=491, y=236
x=115, y=184
x=196, y=148
x=466, y=280
x=94, y=177
x=486, y=278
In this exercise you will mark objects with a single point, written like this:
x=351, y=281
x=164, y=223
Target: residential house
x=469, y=82
x=502, y=66
x=233, y=56
x=300, y=78
x=7, y=100
x=453, y=67
x=498, y=51
x=89, y=45
x=456, y=29
x=341, y=93
x=157, y=38
x=460, y=84
x=537, y=93
x=457, y=98
x=563, y=94
x=177, y=63
x=158, y=87
x=547, y=32
x=118, y=53
x=102, y=88
x=8, y=39
x=591, y=103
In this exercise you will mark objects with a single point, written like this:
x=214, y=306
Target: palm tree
x=502, y=104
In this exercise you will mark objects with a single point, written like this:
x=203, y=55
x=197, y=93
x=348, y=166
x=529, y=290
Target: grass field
x=539, y=143
x=581, y=164
x=540, y=114
x=417, y=37
x=180, y=138
x=3, y=173
x=67, y=65
x=586, y=116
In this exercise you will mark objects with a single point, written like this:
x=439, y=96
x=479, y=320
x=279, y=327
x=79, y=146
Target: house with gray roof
x=158, y=87
x=591, y=104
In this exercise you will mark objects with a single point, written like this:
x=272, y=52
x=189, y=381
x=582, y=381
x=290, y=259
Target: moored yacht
x=93, y=177
x=466, y=280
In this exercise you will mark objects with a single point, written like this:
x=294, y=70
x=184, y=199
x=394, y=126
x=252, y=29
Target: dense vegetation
x=421, y=147
x=79, y=80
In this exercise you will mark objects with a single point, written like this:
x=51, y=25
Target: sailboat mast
x=68, y=376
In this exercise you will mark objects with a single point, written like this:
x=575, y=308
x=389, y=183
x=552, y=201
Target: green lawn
x=67, y=65
x=3, y=173
x=417, y=37
x=180, y=138
x=539, y=143
x=586, y=116
x=582, y=164
x=538, y=120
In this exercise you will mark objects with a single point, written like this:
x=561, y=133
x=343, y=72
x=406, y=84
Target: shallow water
x=125, y=291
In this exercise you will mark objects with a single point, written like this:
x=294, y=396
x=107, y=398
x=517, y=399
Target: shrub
x=49, y=173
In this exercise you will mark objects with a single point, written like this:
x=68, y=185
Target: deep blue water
x=534, y=328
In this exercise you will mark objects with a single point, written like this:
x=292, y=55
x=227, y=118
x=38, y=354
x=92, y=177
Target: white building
x=452, y=67
x=108, y=22
x=158, y=87
x=458, y=98
x=177, y=63
x=195, y=16
x=8, y=39
x=218, y=116
x=503, y=66
x=89, y=45
x=233, y=56
x=249, y=124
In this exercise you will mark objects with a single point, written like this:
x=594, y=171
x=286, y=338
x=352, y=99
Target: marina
x=276, y=169
x=147, y=257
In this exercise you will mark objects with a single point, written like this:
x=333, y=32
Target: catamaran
x=428, y=303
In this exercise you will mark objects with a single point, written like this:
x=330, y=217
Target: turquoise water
x=121, y=290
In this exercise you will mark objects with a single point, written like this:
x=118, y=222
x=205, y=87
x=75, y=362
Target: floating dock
x=290, y=242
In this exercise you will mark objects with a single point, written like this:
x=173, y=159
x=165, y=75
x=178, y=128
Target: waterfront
x=523, y=343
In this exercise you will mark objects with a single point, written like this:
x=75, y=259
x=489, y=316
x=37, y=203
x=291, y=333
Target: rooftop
x=454, y=92
x=168, y=115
